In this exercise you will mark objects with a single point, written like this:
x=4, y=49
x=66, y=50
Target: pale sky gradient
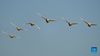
x=52, y=39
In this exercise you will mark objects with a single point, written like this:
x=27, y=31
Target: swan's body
x=12, y=36
x=31, y=24
x=19, y=28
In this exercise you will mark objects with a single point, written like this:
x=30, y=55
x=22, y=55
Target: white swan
x=88, y=23
x=33, y=24
x=47, y=20
x=17, y=27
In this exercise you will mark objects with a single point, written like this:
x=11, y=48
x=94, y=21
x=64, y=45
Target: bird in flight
x=12, y=36
x=88, y=23
x=71, y=23
x=33, y=24
x=47, y=20
x=17, y=27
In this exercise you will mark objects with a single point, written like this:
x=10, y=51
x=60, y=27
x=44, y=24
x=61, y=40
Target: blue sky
x=52, y=39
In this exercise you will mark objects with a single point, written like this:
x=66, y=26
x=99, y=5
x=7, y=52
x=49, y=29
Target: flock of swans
x=47, y=20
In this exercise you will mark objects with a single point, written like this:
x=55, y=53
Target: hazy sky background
x=52, y=39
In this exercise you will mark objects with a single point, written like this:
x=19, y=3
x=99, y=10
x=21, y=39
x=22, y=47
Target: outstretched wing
x=86, y=22
x=74, y=23
x=93, y=24
x=51, y=20
x=44, y=17
x=67, y=21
